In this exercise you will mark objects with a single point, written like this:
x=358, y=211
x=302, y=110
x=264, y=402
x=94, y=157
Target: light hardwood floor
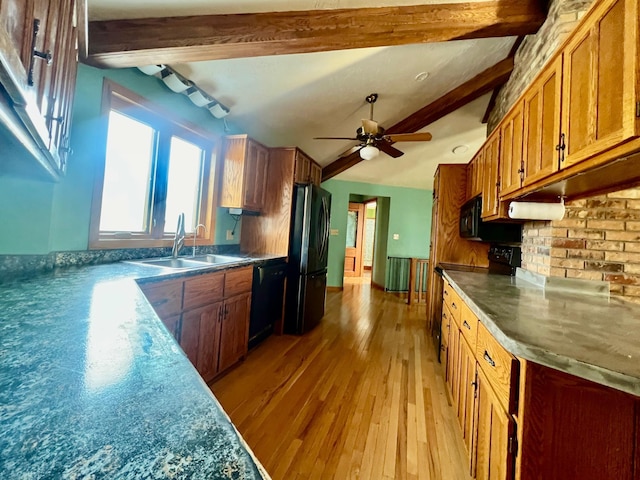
x=360, y=396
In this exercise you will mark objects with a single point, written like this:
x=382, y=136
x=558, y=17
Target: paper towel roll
x=536, y=211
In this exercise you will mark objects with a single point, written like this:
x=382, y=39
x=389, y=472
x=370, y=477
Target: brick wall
x=535, y=51
x=598, y=239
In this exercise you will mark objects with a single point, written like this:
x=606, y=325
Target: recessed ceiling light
x=421, y=76
x=460, y=149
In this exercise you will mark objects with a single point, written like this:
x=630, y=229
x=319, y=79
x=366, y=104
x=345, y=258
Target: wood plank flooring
x=361, y=396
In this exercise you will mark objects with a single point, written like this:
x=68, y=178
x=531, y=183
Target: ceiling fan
x=373, y=139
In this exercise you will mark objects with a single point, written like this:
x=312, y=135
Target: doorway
x=355, y=236
x=360, y=241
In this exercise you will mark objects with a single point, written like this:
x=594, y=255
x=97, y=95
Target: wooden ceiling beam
x=136, y=42
x=482, y=83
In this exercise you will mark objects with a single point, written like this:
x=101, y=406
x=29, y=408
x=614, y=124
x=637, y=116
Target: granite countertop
x=587, y=335
x=92, y=385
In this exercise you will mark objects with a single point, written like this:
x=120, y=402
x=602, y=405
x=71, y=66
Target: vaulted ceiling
x=305, y=71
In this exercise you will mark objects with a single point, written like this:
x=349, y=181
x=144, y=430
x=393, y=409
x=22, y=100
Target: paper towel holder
x=546, y=211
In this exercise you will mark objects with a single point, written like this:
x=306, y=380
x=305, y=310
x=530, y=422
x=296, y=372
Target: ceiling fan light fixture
x=369, y=152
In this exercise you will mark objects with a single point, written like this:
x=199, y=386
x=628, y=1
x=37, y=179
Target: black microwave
x=473, y=228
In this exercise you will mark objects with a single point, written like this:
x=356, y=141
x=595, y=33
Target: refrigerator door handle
x=324, y=240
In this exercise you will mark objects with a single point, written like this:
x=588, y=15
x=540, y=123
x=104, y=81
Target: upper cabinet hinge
x=513, y=445
x=637, y=109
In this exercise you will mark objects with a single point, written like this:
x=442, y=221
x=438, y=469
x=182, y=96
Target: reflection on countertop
x=585, y=334
x=93, y=386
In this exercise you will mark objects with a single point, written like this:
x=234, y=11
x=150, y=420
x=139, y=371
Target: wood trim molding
x=482, y=83
x=334, y=289
x=132, y=42
x=83, y=28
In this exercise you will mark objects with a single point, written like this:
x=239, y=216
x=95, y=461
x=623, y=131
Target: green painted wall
x=38, y=217
x=409, y=217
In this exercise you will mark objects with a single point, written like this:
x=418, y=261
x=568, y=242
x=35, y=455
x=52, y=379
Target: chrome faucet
x=195, y=235
x=178, y=240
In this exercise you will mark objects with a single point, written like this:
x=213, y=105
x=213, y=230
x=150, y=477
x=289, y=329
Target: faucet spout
x=178, y=240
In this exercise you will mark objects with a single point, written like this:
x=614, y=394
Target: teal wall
x=38, y=217
x=409, y=216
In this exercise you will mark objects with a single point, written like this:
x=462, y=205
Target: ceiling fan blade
x=370, y=126
x=409, y=137
x=388, y=149
x=334, y=138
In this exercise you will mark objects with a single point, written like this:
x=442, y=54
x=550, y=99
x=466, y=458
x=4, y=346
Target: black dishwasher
x=267, y=297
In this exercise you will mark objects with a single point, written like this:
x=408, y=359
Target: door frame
x=373, y=247
x=357, y=254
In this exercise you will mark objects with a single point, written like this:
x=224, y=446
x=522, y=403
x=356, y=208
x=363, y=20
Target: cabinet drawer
x=500, y=367
x=204, y=289
x=468, y=325
x=165, y=297
x=238, y=281
x=452, y=300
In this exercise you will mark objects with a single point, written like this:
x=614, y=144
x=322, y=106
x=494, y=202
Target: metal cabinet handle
x=453, y=305
x=488, y=358
x=37, y=54
x=466, y=325
x=446, y=294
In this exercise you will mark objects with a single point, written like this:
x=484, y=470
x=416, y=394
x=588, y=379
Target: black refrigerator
x=308, y=254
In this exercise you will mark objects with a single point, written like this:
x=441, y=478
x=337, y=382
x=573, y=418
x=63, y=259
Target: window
x=154, y=169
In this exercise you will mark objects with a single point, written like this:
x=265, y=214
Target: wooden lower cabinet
x=234, y=334
x=208, y=314
x=495, y=435
x=467, y=393
x=524, y=421
x=200, y=338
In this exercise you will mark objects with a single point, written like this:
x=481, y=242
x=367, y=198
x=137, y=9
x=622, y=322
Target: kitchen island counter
x=92, y=385
x=587, y=335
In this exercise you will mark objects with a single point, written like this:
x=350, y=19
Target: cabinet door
x=511, y=150
x=315, y=174
x=542, y=124
x=600, y=85
x=209, y=340
x=234, y=335
x=200, y=338
x=467, y=393
x=453, y=363
x=173, y=324
x=491, y=180
x=477, y=172
x=495, y=436
x=190, y=334
x=255, y=176
x=303, y=168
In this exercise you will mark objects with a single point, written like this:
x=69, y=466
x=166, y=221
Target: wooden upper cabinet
x=307, y=170
x=511, y=150
x=601, y=81
x=475, y=175
x=38, y=46
x=542, y=124
x=491, y=180
x=244, y=178
x=315, y=174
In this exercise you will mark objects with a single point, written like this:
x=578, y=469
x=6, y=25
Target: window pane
x=183, y=189
x=127, y=175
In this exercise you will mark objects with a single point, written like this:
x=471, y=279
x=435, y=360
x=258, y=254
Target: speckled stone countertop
x=586, y=335
x=93, y=386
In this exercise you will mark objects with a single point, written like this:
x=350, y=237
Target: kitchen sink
x=175, y=263
x=216, y=259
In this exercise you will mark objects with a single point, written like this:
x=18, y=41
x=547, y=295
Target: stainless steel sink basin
x=216, y=259
x=175, y=263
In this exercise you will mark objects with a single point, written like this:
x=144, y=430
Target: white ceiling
x=289, y=99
